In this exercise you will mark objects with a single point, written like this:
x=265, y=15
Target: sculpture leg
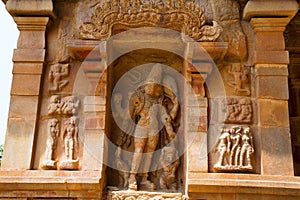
x=139, y=144
x=149, y=149
x=242, y=156
x=236, y=158
x=67, y=148
x=71, y=149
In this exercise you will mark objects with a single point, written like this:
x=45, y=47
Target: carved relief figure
x=235, y=137
x=169, y=161
x=70, y=105
x=54, y=105
x=53, y=133
x=56, y=75
x=238, y=110
x=247, y=148
x=70, y=136
x=235, y=147
x=240, y=82
x=70, y=139
x=223, y=146
x=123, y=120
x=67, y=106
x=148, y=110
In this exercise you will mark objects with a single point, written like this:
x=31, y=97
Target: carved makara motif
x=238, y=110
x=187, y=18
x=66, y=106
x=57, y=73
x=235, y=147
x=240, y=82
x=53, y=134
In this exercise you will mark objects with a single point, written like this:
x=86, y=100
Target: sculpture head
x=57, y=68
x=55, y=99
x=152, y=84
x=53, y=122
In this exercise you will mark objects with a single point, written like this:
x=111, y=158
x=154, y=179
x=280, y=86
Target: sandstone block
x=29, y=55
x=197, y=152
x=273, y=113
x=93, y=151
x=18, y=144
x=271, y=57
x=23, y=107
x=272, y=87
x=25, y=85
x=276, y=152
x=28, y=68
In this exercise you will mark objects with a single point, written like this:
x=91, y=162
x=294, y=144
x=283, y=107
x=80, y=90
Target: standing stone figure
x=70, y=136
x=247, y=148
x=223, y=146
x=53, y=132
x=57, y=72
x=148, y=111
x=235, y=137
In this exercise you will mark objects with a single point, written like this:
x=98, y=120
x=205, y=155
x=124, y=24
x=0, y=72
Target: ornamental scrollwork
x=185, y=17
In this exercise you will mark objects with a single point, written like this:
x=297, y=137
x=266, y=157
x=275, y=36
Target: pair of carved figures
x=148, y=109
x=238, y=110
x=70, y=135
x=235, y=147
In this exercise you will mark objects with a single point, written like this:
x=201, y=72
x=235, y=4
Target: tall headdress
x=155, y=74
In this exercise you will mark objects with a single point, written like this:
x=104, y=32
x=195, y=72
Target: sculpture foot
x=147, y=185
x=132, y=183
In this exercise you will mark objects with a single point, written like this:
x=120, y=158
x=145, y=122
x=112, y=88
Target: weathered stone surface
x=272, y=87
x=197, y=152
x=273, y=113
x=276, y=152
x=25, y=84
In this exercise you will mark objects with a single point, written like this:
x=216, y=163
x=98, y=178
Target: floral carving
x=187, y=18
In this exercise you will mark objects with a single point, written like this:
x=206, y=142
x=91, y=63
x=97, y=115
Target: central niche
x=146, y=93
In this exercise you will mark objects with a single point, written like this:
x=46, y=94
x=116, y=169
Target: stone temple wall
x=163, y=99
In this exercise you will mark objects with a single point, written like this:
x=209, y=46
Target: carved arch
x=186, y=18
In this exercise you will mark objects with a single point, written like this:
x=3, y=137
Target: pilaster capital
x=30, y=7
x=270, y=9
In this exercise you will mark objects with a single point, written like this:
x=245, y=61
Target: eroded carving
x=169, y=161
x=143, y=195
x=53, y=133
x=67, y=105
x=57, y=73
x=147, y=108
x=70, y=138
x=238, y=110
x=186, y=17
x=240, y=82
x=123, y=168
x=235, y=147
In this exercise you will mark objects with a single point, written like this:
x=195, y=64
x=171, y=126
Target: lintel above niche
x=201, y=51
